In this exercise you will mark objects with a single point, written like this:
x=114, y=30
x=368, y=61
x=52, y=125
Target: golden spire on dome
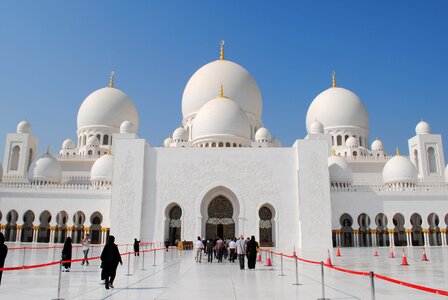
x=221, y=52
x=111, y=79
x=221, y=92
x=333, y=79
x=397, y=153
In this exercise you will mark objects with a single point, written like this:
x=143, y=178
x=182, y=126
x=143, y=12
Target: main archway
x=220, y=221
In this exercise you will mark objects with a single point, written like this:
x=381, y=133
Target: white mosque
x=222, y=173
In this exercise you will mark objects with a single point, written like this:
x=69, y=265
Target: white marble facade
x=223, y=173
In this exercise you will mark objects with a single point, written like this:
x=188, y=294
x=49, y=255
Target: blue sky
x=393, y=54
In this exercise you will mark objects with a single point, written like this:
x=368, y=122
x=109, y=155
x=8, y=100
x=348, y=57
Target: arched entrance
x=220, y=219
x=175, y=225
x=266, y=226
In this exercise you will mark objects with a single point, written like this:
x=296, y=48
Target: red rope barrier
x=360, y=273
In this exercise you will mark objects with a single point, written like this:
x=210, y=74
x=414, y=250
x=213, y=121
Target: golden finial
x=333, y=79
x=221, y=91
x=334, y=152
x=111, y=79
x=397, y=153
x=221, y=52
x=109, y=150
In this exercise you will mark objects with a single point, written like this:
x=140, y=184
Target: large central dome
x=240, y=86
x=107, y=107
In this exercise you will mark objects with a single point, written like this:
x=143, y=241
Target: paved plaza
x=176, y=275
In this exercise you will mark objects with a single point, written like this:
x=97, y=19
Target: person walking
x=167, y=244
x=240, y=248
x=209, y=248
x=232, y=245
x=136, y=247
x=110, y=257
x=3, y=253
x=219, y=249
x=199, y=248
x=85, y=249
x=67, y=255
x=252, y=249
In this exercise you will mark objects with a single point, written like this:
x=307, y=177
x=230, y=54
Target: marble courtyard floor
x=177, y=276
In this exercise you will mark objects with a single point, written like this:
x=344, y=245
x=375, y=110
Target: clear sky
x=393, y=54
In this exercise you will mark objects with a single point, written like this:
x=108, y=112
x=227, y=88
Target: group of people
x=110, y=257
x=228, y=249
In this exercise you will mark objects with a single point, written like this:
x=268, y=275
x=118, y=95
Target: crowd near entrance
x=402, y=231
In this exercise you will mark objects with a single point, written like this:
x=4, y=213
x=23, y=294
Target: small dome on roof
x=24, y=127
x=127, y=127
x=423, y=128
x=352, y=142
x=263, y=135
x=399, y=169
x=103, y=169
x=93, y=141
x=276, y=142
x=180, y=135
x=167, y=142
x=316, y=127
x=67, y=144
x=45, y=168
x=377, y=145
x=340, y=171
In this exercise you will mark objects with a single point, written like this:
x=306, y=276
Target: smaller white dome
x=276, y=142
x=46, y=168
x=263, y=135
x=446, y=173
x=180, y=135
x=24, y=127
x=1, y=172
x=377, y=145
x=316, y=127
x=167, y=142
x=127, y=127
x=93, y=141
x=399, y=169
x=103, y=169
x=340, y=171
x=221, y=118
x=68, y=144
x=423, y=128
x=352, y=142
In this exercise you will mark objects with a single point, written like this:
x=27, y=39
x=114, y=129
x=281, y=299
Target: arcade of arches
x=28, y=228
x=381, y=232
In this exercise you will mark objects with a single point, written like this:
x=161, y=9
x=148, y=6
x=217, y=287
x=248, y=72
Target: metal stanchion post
x=297, y=270
x=143, y=257
x=23, y=260
x=372, y=284
x=281, y=265
x=129, y=264
x=323, y=282
x=154, y=252
x=59, y=282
